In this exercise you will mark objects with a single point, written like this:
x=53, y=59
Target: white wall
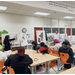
x=14, y=23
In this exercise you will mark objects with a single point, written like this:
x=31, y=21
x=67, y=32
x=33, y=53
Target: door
x=35, y=36
x=68, y=31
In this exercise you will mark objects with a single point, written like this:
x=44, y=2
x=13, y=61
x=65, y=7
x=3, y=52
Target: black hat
x=65, y=42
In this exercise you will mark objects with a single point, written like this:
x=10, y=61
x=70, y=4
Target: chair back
x=49, y=50
x=11, y=70
x=64, y=57
x=1, y=66
x=55, y=52
x=70, y=45
x=51, y=64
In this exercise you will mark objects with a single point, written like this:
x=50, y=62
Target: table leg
x=32, y=69
x=45, y=68
x=48, y=67
x=58, y=64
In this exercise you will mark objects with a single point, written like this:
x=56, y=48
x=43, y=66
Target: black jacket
x=68, y=50
x=19, y=63
x=36, y=47
x=8, y=45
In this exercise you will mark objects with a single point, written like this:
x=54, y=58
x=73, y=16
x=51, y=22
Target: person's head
x=65, y=43
x=34, y=43
x=66, y=39
x=56, y=41
x=1, y=47
x=42, y=44
x=21, y=51
x=56, y=31
x=6, y=38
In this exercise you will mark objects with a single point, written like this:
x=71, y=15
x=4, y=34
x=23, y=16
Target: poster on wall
x=50, y=37
x=23, y=40
x=71, y=39
x=40, y=36
x=62, y=37
x=29, y=38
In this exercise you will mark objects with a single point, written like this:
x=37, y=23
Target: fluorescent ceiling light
x=42, y=13
x=3, y=8
x=68, y=17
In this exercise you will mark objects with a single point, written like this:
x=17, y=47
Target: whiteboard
x=22, y=39
x=15, y=43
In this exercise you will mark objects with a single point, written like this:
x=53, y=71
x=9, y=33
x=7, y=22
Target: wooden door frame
x=36, y=28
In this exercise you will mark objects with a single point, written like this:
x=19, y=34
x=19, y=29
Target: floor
x=41, y=70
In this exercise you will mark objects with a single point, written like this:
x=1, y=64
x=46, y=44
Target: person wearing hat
x=19, y=62
x=2, y=55
x=57, y=44
x=66, y=49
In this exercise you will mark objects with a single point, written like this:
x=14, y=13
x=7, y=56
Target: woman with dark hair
x=43, y=48
x=7, y=42
x=35, y=46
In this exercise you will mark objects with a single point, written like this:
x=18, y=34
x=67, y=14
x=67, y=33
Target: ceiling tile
x=3, y=3
x=15, y=6
x=12, y=9
x=26, y=8
x=2, y=11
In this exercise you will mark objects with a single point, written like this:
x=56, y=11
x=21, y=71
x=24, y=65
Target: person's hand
x=16, y=38
x=11, y=47
x=10, y=42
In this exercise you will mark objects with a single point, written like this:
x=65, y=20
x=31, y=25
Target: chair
x=1, y=66
x=49, y=50
x=11, y=71
x=51, y=64
x=64, y=57
x=54, y=53
x=70, y=45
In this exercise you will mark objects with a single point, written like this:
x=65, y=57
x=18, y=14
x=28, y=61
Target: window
x=54, y=29
x=62, y=30
x=47, y=30
x=73, y=31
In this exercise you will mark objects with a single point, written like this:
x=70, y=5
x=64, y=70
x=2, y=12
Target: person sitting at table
x=57, y=44
x=35, y=46
x=19, y=62
x=67, y=41
x=66, y=49
x=43, y=48
x=2, y=55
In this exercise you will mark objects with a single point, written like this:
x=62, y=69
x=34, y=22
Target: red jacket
x=42, y=49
